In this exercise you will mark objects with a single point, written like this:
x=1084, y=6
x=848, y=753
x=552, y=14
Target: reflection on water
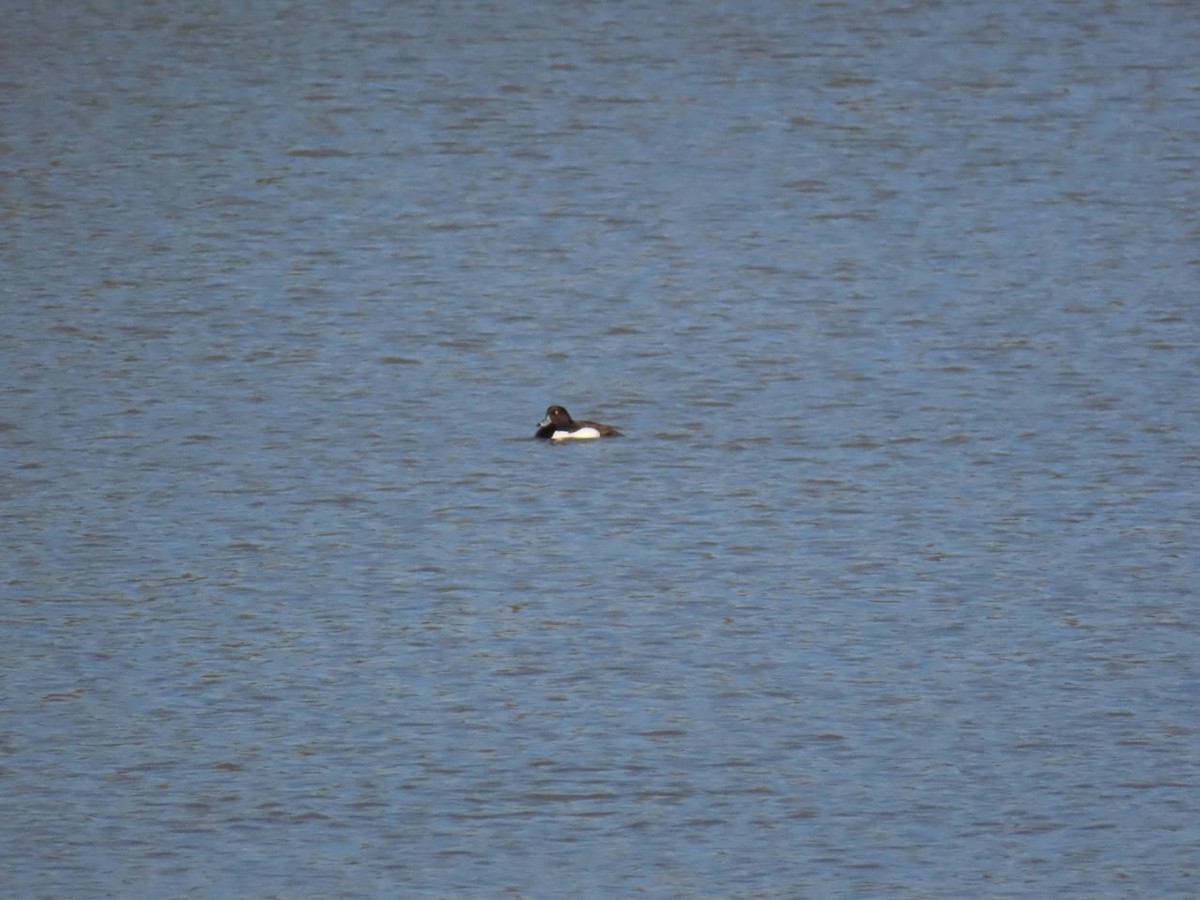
x=887, y=591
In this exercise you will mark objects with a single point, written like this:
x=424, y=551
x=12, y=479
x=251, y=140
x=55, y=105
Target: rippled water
x=889, y=591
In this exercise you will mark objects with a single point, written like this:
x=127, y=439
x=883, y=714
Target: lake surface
x=889, y=591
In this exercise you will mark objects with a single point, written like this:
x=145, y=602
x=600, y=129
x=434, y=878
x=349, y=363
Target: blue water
x=889, y=591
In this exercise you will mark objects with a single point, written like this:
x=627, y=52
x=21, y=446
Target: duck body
x=559, y=426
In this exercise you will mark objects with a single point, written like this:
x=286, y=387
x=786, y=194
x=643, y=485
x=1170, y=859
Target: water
x=890, y=590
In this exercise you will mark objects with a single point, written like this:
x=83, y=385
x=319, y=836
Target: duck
x=559, y=426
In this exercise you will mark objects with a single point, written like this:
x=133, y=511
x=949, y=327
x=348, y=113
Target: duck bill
x=544, y=422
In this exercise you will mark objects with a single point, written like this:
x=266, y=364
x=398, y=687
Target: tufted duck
x=559, y=426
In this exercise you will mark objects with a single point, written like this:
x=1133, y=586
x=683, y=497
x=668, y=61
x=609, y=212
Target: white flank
x=581, y=434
